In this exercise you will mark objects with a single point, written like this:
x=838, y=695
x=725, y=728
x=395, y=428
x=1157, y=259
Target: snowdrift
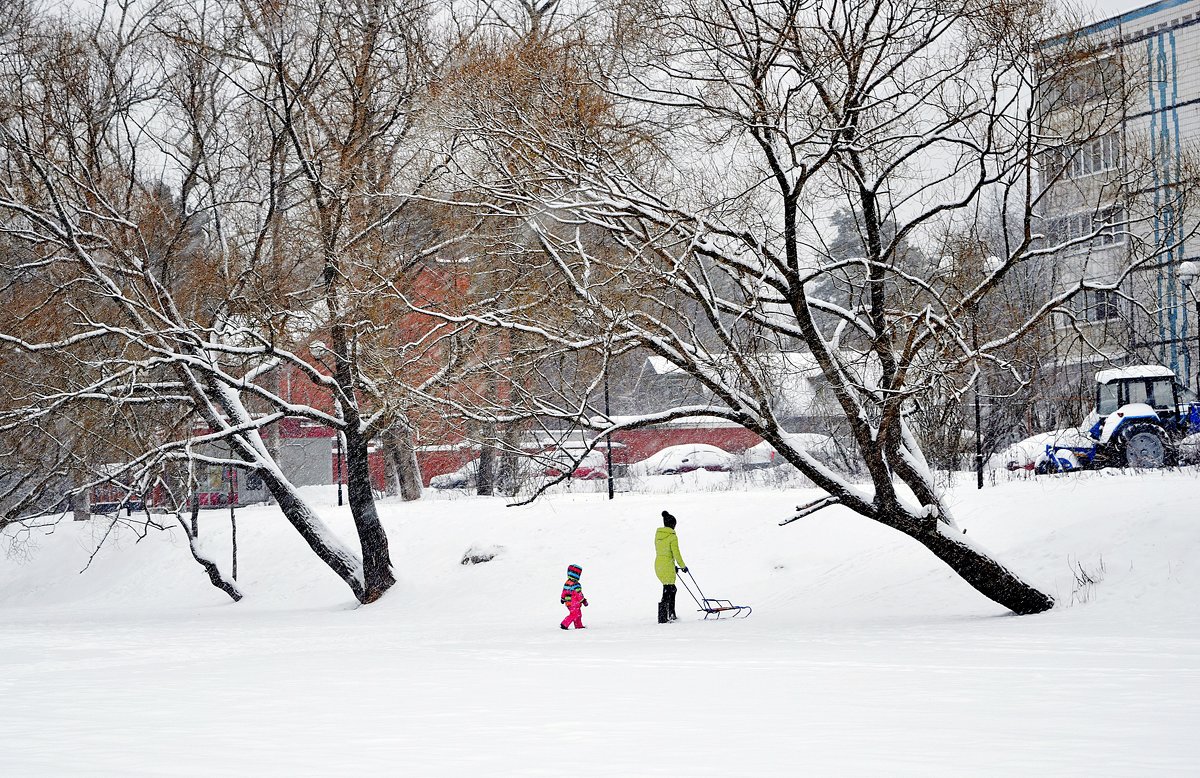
x=864, y=654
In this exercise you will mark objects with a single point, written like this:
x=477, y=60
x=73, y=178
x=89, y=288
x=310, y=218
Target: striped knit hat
x=574, y=571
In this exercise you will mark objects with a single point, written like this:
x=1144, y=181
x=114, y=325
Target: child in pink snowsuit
x=572, y=597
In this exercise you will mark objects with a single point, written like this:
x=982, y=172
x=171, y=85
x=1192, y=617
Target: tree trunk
x=508, y=476
x=377, y=565
x=81, y=505
x=250, y=448
x=273, y=441
x=987, y=576
x=408, y=467
x=400, y=459
x=486, y=481
x=391, y=464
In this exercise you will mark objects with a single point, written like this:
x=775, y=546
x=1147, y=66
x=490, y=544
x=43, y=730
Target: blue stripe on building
x=1175, y=303
x=1166, y=166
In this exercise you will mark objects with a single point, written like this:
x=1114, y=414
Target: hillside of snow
x=864, y=655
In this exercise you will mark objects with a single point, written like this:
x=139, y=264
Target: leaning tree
x=712, y=140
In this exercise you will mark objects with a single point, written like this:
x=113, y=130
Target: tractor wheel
x=1144, y=445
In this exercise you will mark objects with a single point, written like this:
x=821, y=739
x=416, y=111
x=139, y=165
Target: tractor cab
x=1143, y=384
x=1136, y=391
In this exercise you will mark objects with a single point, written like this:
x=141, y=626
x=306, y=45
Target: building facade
x=1121, y=187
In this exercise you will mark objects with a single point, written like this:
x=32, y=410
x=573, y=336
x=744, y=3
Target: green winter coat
x=666, y=555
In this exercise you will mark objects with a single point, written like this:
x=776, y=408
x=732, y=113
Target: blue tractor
x=1141, y=419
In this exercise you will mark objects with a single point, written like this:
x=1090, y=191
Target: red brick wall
x=635, y=446
x=641, y=443
x=374, y=461
x=438, y=462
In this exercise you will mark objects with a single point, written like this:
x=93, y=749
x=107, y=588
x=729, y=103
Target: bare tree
x=713, y=156
x=140, y=308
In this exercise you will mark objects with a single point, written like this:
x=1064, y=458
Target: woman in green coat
x=666, y=559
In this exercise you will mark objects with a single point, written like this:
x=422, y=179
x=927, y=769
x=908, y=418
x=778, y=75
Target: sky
x=1105, y=9
x=1096, y=9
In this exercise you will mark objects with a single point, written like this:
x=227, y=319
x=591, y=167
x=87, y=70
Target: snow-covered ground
x=863, y=656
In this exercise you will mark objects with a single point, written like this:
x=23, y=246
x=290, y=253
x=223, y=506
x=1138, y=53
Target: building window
x=1095, y=156
x=1079, y=160
x=1106, y=304
x=1097, y=78
x=1105, y=226
x=1111, y=223
x=1098, y=305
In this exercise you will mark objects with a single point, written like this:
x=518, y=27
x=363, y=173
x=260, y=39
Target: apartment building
x=1120, y=190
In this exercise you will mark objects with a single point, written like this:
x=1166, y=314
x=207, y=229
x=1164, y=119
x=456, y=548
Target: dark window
x=1098, y=305
x=1105, y=305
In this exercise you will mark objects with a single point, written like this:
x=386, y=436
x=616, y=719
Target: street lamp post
x=1189, y=273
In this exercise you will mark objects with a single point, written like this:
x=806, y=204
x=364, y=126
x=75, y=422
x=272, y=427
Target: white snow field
x=864, y=656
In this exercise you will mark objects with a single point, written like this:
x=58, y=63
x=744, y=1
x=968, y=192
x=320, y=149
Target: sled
x=711, y=606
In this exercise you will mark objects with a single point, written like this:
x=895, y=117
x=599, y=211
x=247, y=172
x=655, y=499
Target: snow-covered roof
x=1134, y=371
x=113, y=469
x=795, y=362
x=794, y=378
x=1077, y=360
x=691, y=422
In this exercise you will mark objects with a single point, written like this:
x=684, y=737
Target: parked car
x=463, y=478
x=684, y=459
x=822, y=447
x=761, y=456
x=592, y=467
x=467, y=477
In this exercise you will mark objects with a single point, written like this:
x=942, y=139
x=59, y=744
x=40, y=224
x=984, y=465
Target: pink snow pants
x=574, y=612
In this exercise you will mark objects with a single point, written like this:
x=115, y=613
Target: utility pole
x=337, y=434
x=232, y=515
x=978, y=415
x=608, y=438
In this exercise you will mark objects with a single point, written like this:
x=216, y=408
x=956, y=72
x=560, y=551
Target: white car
x=761, y=456
x=463, y=478
x=764, y=455
x=592, y=467
x=684, y=459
